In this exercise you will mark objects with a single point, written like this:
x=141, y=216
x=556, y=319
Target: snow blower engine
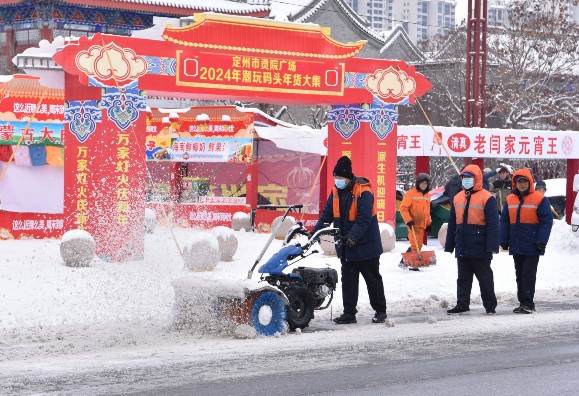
x=306, y=289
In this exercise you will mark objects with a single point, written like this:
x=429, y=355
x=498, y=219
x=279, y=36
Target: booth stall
x=31, y=159
x=204, y=164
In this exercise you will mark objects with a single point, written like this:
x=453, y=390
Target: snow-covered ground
x=49, y=311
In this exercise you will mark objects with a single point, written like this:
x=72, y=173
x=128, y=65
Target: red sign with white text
x=419, y=140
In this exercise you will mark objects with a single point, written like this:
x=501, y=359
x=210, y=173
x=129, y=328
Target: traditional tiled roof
x=23, y=86
x=308, y=11
x=399, y=33
x=259, y=8
x=213, y=31
x=183, y=7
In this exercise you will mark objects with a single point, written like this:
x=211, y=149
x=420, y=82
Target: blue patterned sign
x=347, y=119
x=81, y=117
x=123, y=104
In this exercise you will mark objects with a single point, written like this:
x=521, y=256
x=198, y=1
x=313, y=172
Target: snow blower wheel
x=306, y=289
x=300, y=307
x=268, y=314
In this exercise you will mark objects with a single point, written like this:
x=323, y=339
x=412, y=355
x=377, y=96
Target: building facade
x=497, y=12
x=419, y=18
x=23, y=23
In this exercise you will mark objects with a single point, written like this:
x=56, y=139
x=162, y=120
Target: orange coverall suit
x=415, y=207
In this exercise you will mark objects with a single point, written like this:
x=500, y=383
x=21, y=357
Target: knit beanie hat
x=423, y=177
x=540, y=184
x=343, y=168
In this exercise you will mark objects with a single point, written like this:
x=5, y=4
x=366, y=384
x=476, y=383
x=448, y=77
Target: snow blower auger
x=278, y=301
x=306, y=289
x=420, y=258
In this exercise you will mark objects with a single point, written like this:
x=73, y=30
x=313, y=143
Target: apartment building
x=419, y=18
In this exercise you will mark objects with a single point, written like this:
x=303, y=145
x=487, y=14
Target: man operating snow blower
x=352, y=209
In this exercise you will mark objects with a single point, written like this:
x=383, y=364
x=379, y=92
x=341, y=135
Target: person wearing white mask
x=473, y=235
x=351, y=207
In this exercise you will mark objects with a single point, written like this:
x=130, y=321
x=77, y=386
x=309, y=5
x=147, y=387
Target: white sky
x=283, y=7
x=461, y=11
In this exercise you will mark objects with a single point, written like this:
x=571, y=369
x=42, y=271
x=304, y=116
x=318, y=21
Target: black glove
x=410, y=224
x=349, y=241
x=505, y=246
x=428, y=229
x=541, y=247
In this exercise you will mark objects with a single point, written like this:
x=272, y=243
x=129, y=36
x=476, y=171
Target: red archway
x=218, y=57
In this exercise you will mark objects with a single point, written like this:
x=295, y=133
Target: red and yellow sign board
x=261, y=73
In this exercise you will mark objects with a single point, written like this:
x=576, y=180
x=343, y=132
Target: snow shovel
x=418, y=259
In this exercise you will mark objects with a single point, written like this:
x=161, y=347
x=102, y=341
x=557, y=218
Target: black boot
x=345, y=318
x=457, y=310
x=380, y=317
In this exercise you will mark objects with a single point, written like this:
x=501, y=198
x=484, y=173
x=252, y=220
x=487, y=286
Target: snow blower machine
x=279, y=301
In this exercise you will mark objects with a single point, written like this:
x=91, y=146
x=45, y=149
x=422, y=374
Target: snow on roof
x=24, y=86
x=283, y=9
x=225, y=6
x=155, y=32
x=360, y=22
x=399, y=31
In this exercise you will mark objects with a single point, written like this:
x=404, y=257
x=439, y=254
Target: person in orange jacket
x=415, y=211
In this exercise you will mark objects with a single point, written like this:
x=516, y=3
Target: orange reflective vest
x=529, y=208
x=476, y=208
x=357, y=191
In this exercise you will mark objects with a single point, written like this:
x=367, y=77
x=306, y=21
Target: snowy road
x=104, y=330
x=456, y=354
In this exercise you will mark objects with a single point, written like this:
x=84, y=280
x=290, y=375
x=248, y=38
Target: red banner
x=30, y=225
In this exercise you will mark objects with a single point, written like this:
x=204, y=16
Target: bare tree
x=445, y=69
x=536, y=83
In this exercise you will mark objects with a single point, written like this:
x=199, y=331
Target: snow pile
x=77, y=248
x=207, y=302
x=227, y=242
x=556, y=187
x=50, y=310
x=287, y=223
x=559, y=244
x=201, y=252
x=388, y=237
x=241, y=221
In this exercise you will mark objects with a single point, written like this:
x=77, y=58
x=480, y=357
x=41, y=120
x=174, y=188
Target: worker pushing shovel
x=415, y=211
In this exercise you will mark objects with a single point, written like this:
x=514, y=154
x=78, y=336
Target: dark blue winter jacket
x=364, y=230
x=486, y=177
x=473, y=224
x=526, y=219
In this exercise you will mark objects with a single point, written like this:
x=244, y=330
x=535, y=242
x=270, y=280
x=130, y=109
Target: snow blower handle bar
x=288, y=208
x=313, y=238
